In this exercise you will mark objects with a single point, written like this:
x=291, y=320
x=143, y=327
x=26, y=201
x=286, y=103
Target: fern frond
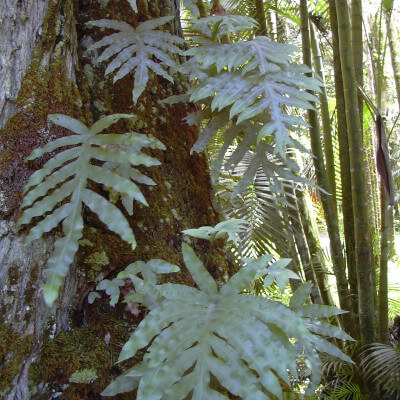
x=149, y=269
x=225, y=229
x=252, y=95
x=217, y=26
x=52, y=185
x=249, y=101
x=382, y=366
x=201, y=339
x=135, y=50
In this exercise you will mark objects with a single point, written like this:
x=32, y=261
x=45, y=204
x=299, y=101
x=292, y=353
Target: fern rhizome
x=58, y=182
x=202, y=342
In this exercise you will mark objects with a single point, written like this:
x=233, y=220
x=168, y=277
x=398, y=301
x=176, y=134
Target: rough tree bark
x=48, y=70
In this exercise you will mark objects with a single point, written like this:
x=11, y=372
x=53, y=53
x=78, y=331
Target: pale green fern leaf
x=217, y=26
x=130, y=173
x=135, y=49
x=65, y=249
x=112, y=289
x=110, y=215
x=250, y=95
x=149, y=269
x=301, y=296
x=92, y=297
x=202, y=340
x=226, y=229
x=277, y=272
x=248, y=90
x=191, y=6
x=57, y=183
x=133, y=5
x=126, y=170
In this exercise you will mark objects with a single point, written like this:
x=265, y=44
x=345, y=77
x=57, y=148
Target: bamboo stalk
x=325, y=116
x=344, y=159
x=328, y=203
x=363, y=241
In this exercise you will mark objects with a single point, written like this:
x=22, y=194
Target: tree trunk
x=51, y=72
x=260, y=18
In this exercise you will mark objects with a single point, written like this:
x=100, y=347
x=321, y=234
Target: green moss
x=81, y=357
x=14, y=351
x=84, y=376
x=97, y=260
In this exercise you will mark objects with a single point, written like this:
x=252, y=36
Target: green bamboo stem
x=328, y=203
x=302, y=247
x=344, y=158
x=357, y=48
x=383, y=273
x=325, y=115
x=395, y=60
x=363, y=241
x=394, y=55
x=317, y=260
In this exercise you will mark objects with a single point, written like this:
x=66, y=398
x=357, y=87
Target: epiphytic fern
x=65, y=176
x=226, y=229
x=205, y=341
x=149, y=271
x=247, y=90
x=135, y=50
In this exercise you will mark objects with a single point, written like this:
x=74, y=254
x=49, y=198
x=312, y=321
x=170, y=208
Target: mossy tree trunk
x=51, y=72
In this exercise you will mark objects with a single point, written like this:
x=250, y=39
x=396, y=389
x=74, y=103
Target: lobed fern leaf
x=247, y=90
x=217, y=26
x=226, y=229
x=135, y=49
x=201, y=339
x=133, y=5
x=56, y=182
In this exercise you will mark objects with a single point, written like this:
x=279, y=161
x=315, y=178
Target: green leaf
x=68, y=122
x=112, y=289
x=148, y=270
x=63, y=255
x=105, y=122
x=64, y=178
x=134, y=8
x=301, y=296
x=280, y=274
x=243, y=341
x=136, y=49
x=110, y=215
x=92, y=297
x=200, y=275
x=55, y=144
x=229, y=229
